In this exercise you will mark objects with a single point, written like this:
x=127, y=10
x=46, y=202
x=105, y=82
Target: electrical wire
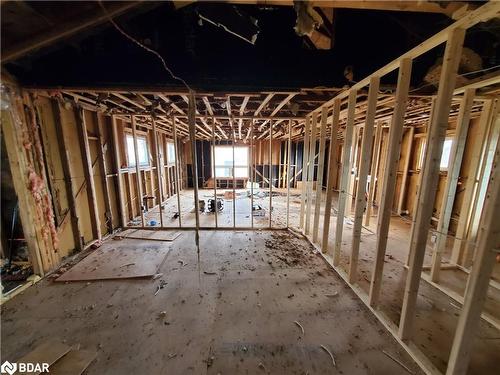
x=135, y=41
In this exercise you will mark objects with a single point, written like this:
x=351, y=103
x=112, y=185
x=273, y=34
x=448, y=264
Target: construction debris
x=331, y=355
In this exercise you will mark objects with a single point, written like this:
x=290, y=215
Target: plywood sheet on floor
x=132, y=259
x=48, y=352
x=145, y=234
x=73, y=363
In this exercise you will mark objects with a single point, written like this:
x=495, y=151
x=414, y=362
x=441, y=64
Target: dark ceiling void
x=223, y=47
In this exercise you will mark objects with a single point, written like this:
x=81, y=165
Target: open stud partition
x=486, y=234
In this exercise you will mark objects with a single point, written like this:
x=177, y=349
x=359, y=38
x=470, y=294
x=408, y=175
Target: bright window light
x=224, y=161
x=170, y=153
x=445, y=156
x=142, y=148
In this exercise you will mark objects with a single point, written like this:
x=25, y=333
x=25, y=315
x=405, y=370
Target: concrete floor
x=238, y=321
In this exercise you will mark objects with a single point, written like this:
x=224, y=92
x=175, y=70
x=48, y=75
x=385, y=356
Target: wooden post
x=131, y=206
x=88, y=172
x=333, y=165
x=353, y=172
x=138, y=172
x=233, y=138
x=484, y=172
x=252, y=124
x=404, y=178
x=216, y=211
x=321, y=167
x=68, y=175
x=13, y=128
x=121, y=204
x=479, y=278
x=389, y=182
x=312, y=157
x=346, y=175
x=270, y=172
x=430, y=175
x=366, y=153
x=177, y=176
x=192, y=137
x=454, y=165
x=419, y=180
x=104, y=172
x=305, y=170
x=468, y=198
x=159, y=168
x=373, y=173
x=288, y=161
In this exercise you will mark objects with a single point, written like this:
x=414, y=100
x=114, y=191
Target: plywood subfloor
x=145, y=234
x=230, y=310
x=119, y=261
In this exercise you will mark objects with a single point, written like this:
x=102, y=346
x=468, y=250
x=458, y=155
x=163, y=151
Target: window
x=224, y=161
x=142, y=149
x=170, y=153
x=421, y=155
x=445, y=156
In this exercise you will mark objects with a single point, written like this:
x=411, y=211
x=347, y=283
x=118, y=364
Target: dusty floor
x=238, y=321
x=437, y=314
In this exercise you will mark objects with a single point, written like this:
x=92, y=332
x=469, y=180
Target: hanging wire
x=135, y=41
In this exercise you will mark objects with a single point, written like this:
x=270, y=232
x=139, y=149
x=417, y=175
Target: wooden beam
x=454, y=166
x=364, y=167
x=346, y=175
x=470, y=183
x=484, y=172
x=208, y=106
x=177, y=172
x=65, y=30
x=419, y=180
x=270, y=173
x=101, y=153
x=282, y=104
x=288, y=171
x=252, y=174
x=406, y=167
x=123, y=217
x=430, y=175
x=389, y=182
x=373, y=173
x=486, y=251
x=192, y=138
x=321, y=167
x=401, y=6
x=138, y=175
x=305, y=170
x=333, y=165
x=310, y=183
x=159, y=169
x=216, y=211
x=353, y=171
x=13, y=133
x=263, y=104
x=68, y=175
x=88, y=173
